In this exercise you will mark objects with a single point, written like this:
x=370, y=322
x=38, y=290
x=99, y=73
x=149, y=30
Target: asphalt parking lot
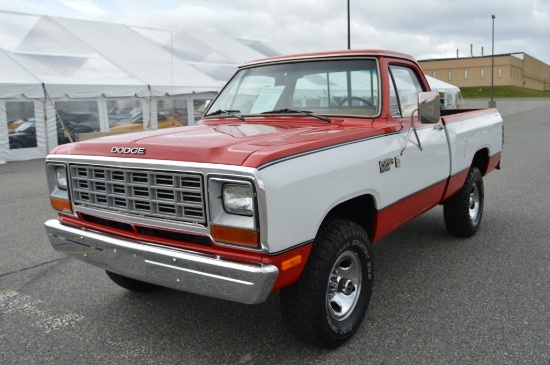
x=437, y=299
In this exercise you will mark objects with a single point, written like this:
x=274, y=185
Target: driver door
x=423, y=162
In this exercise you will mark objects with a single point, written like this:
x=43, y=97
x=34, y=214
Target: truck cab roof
x=331, y=54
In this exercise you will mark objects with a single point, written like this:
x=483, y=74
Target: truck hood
x=251, y=143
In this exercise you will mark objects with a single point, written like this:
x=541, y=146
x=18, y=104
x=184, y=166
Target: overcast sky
x=422, y=28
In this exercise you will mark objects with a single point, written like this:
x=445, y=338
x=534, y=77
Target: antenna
x=172, y=61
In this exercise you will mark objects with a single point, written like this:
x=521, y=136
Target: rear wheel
x=463, y=211
x=131, y=284
x=328, y=302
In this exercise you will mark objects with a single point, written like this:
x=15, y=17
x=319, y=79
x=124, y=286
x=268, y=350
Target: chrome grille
x=169, y=195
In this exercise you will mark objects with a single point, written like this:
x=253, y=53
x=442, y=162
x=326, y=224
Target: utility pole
x=349, y=31
x=492, y=103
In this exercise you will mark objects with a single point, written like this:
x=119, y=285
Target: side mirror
x=429, y=107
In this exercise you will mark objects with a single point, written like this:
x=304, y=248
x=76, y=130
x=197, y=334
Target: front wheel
x=328, y=302
x=462, y=212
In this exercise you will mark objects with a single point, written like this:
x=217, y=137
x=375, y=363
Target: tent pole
x=46, y=119
x=58, y=116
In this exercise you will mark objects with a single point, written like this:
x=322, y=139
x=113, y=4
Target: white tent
x=441, y=86
x=17, y=82
x=450, y=92
x=65, y=64
x=57, y=73
x=217, y=56
x=156, y=67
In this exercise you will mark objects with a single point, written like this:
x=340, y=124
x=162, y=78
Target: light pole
x=349, y=40
x=492, y=103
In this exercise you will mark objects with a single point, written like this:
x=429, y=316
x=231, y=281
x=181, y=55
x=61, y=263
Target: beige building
x=515, y=69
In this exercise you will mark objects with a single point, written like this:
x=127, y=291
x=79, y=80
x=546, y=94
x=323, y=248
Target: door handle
x=438, y=127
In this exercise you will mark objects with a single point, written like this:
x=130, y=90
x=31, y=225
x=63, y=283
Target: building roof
x=519, y=55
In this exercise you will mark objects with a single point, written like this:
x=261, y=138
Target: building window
x=465, y=74
x=450, y=76
x=482, y=75
x=499, y=72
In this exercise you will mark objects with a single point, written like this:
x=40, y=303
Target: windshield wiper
x=305, y=112
x=233, y=113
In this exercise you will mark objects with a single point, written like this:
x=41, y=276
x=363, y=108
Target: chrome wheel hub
x=344, y=285
x=474, y=203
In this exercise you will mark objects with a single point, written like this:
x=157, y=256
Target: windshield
x=336, y=87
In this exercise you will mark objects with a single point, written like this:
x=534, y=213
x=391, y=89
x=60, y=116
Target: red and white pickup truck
x=297, y=167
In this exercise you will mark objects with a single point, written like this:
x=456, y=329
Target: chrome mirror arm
x=413, y=129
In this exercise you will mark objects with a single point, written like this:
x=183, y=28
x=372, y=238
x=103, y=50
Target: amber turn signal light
x=236, y=236
x=61, y=204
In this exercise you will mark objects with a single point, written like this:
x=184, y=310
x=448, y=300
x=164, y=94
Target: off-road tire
x=463, y=211
x=326, y=306
x=131, y=284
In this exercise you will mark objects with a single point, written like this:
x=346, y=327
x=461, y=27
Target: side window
x=394, y=102
x=406, y=86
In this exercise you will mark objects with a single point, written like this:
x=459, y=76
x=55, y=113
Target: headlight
x=61, y=177
x=238, y=199
x=58, y=185
x=233, y=215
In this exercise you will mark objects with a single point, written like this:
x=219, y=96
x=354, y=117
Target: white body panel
x=470, y=135
x=301, y=191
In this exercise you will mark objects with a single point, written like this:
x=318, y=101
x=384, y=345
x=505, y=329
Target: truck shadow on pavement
x=410, y=266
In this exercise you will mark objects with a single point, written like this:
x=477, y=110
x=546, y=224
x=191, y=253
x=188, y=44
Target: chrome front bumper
x=244, y=282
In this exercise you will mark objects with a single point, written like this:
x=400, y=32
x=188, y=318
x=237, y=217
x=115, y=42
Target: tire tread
x=456, y=208
x=302, y=303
